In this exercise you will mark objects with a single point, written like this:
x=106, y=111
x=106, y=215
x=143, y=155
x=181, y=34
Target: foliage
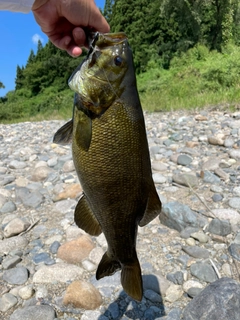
x=2, y=85
x=196, y=79
x=185, y=54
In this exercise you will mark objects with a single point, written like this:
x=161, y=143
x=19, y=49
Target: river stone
x=7, y=301
x=210, y=177
x=235, y=154
x=7, y=245
x=220, y=227
x=159, y=178
x=15, y=164
x=15, y=226
x=16, y=276
x=235, y=203
x=41, y=173
x=76, y=250
x=178, y=216
x=203, y=271
x=156, y=283
x=184, y=160
x=227, y=214
x=82, y=294
x=234, y=250
x=60, y=272
x=196, y=252
x=216, y=140
x=40, y=312
x=211, y=164
x=8, y=207
x=219, y=301
x=185, y=179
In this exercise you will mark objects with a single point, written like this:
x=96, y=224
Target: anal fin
x=107, y=267
x=85, y=218
x=153, y=207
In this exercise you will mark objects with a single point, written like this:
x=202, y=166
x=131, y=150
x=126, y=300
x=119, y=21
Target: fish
x=111, y=156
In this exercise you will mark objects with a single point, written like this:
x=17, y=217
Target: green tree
x=19, y=80
x=107, y=10
x=1, y=85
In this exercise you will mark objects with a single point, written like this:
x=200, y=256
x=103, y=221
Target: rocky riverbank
x=190, y=260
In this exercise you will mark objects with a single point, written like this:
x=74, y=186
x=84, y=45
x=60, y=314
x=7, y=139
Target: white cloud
x=37, y=37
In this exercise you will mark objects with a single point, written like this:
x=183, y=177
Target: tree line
x=162, y=29
x=158, y=31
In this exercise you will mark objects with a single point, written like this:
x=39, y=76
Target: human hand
x=64, y=21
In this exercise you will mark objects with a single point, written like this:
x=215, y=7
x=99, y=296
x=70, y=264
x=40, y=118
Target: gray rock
x=235, y=154
x=60, y=272
x=200, y=236
x=196, y=252
x=184, y=160
x=15, y=227
x=217, y=197
x=176, y=277
x=65, y=205
x=220, y=227
x=159, y=178
x=152, y=296
x=178, y=216
x=29, y=198
x=219, y=301
x=8, y=207
x=158, y=166
x=13, y=243
x=15, y=164
x=3, y=200
x=234, y=203
x=185, y=179
x=41, y=257
x=114, y=310
x=227, y=214
x=11, y=262
x=6, y=180
x=211, y=164
x=155, y=283
x=234, y=250
x=229, y=142
x=7, y=301
x=54, y=247
x=193, y=292
x=186, y=233
x=203, y=271
x=236, y=190
x=16, y=275
x=237, y=238
x=42, y=312
x=210, y=177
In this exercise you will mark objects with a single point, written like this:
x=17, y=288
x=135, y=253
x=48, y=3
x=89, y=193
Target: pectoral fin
x=153, y=207
x=64, y=134
x=84, y=130
x=85, y=218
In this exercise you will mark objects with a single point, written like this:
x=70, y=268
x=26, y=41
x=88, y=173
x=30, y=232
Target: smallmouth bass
x=111, y=156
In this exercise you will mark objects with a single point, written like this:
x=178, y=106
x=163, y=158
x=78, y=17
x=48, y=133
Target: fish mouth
x=103, y=40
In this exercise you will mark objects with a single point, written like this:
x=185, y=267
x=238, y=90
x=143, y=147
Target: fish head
x=99, y=80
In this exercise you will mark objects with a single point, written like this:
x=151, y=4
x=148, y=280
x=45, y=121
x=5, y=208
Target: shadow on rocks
x=151, y=307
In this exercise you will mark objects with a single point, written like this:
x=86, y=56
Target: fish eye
x=118, y=61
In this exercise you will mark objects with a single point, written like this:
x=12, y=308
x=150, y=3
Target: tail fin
x=107, y=267
x=131, y=279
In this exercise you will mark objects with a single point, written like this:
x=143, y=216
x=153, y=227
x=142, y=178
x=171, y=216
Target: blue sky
x=19, y=34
